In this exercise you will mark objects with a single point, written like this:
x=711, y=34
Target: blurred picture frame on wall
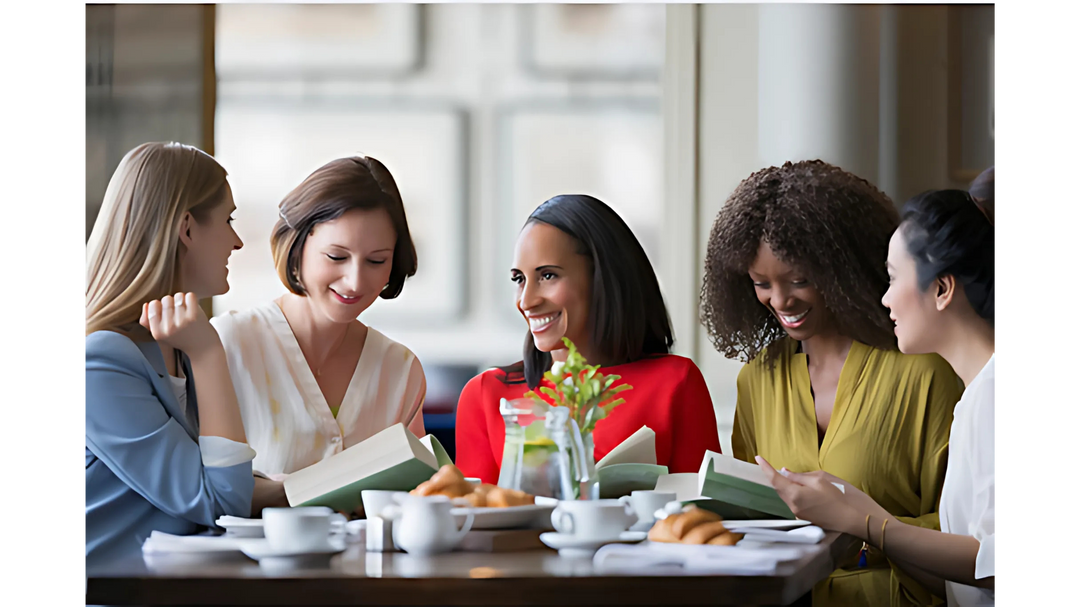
x=270, y=145
x=593, y=41
x=970, y=90
x=147, y=79
x=283, y=41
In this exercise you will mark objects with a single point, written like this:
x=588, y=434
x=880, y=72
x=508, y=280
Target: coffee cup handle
x=465, y=527
x=562, y=521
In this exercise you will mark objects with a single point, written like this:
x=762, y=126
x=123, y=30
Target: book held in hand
x=392, y=460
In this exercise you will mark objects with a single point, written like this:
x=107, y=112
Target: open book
x=393, y=460
x=732, y=488
x=630, y=466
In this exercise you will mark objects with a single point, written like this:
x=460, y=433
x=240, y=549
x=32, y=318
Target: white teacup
x=646, y=503
x=302, y=529
x=593, y=519
x=376, y=500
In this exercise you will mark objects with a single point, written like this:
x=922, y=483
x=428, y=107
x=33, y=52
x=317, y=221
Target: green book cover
x=728, y=512
x=392, y=460
x=402, y=477
x=736, y=489
x=617, y=480
x=437, y=449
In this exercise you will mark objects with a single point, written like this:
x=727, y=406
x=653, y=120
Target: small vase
x=581, y=448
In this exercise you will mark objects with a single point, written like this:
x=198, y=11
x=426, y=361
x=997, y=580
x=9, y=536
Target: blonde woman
x=158, y=457
x=311, y=378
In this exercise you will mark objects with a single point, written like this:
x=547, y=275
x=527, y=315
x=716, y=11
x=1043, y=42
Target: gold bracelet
x=883, y=535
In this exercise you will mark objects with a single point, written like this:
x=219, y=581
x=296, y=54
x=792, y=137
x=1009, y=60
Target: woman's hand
x=179, y=322
x=812, y=496
x=267, y=494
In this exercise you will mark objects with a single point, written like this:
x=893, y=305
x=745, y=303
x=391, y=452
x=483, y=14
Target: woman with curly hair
x=793, y=285
x=941, y=294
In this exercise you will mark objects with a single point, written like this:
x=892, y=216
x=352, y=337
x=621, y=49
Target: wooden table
x=521, y=578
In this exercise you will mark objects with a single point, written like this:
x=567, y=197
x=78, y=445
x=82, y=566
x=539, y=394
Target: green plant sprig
x=589, y=394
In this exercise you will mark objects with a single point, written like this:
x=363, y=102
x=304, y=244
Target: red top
x=669, y=396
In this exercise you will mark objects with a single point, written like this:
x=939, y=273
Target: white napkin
x=230, y=520
x=166, y=543
x=659, y=558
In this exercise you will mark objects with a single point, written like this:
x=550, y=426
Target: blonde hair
x=133, y=255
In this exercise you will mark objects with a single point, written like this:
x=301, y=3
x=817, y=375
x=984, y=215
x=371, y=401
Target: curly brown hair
x=832, y=226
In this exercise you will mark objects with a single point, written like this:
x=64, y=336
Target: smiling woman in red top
x=581, y=274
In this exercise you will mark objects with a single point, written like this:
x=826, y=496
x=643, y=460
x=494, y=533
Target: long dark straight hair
x=627, y=316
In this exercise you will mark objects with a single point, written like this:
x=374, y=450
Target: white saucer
x=259, y=549
x=237, y=527
x=568, y=545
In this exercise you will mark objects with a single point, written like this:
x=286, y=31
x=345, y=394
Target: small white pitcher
x=424, y=525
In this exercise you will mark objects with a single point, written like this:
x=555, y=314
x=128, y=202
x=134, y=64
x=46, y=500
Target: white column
x=680, y=271
x=818, y=85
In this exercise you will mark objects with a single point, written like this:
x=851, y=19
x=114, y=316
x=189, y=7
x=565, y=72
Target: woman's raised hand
x=178, y=321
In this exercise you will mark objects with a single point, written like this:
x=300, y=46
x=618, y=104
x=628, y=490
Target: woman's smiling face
x=553, y=286
x=789, y=296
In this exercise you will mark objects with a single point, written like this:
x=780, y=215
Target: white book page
x=684, y=485
x=638, y=448
x=725, y=464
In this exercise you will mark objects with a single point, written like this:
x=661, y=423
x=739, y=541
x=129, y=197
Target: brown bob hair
x=358, y=182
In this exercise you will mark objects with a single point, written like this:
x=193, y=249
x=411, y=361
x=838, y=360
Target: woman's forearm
x=946, y=556
x=268, y=494
x=219, y=412
x=933, y=583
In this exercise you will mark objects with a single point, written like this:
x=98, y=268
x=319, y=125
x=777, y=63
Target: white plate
x=259, y=548
x=570, y=545
x=779, y=525
x=515, y=517
x=802, y=535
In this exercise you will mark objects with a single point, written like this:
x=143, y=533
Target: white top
x=967, y=497
x=216, y=451
x=286, y=417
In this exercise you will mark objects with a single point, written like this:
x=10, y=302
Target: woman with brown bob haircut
x=793, y=284
x=313, y=380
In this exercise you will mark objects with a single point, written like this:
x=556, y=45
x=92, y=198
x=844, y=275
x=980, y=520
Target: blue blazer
x=144, y=469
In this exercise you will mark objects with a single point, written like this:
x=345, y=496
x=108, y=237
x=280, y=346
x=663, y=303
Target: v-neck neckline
x=845, y=390
x=307, y=375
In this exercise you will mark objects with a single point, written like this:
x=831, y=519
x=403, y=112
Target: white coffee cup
x=646, y=503
x=295, y=530
x=593, y=519
x=376, y=500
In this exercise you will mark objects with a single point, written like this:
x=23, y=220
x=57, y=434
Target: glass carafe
x=544, y=452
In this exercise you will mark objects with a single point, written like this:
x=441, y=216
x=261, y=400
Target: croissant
x=693, y=526
x=506, y=498
x=448, y=481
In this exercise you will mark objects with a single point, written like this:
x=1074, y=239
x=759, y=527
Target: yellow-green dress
x=888, y=436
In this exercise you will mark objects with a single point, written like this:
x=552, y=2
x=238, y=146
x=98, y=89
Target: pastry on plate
x=693, y=526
